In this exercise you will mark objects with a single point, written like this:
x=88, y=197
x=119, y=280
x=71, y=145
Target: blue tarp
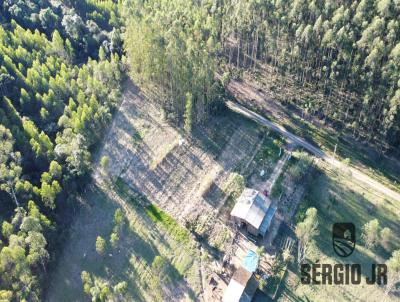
x=250, y=261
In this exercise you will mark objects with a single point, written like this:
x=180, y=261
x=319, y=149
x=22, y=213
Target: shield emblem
x=344, y=238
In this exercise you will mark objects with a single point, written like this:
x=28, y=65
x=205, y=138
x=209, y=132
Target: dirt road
x=356, y=174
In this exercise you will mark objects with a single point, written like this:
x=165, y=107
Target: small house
x=253, y=211
x=243, y=284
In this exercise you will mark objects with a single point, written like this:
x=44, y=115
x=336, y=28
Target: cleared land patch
x=162, y=180
x=185, y=177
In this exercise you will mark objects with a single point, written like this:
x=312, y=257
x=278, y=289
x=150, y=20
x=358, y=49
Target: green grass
x=124, y=191
x=278, y=188
x=274, y=282
x=270, y=148
x=278, y=273
x=234, y=185
x=150, y=242
x=338, y=199
x=173, y=228
x=266, y=157
x=157, y=215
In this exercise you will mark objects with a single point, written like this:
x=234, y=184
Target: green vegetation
x=306, y=230
x=62, y=64
x=271, y=286
x=100, y=290
x=278, y=187
x=189, y=113
x=85, y=25
x=100, y=245
x=370, y=233
x=271, y=150
x=212, y=138
x=234, y=186
x=363, y=157
x=393, y=265
x=337, y=198
x=136, y=138
x=173, y=45
x=104, y=162
x=55, y=102
x=385, y=235
x=293, y=172
x=342, y=50
x=171, y=226
x=144, y=247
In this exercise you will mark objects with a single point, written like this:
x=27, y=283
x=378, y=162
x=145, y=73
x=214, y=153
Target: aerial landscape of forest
x=208, y=150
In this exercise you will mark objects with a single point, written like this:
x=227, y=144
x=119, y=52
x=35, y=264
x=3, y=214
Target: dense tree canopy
x=52, y=113
x=84, y=24
x=348, y=51
x=173, y=44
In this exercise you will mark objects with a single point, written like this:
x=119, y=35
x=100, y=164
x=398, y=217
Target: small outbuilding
x=253, y=211
x=243, y=284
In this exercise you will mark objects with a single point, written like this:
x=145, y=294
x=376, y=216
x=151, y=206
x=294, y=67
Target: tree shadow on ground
x=141, y=246
x=214, y=195
x=212, y=251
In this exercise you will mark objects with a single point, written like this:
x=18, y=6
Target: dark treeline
x=348, y=50
x=52, y=113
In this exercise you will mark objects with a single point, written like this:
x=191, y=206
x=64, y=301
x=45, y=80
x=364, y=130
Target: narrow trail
x=277, y=171
x=356, y=174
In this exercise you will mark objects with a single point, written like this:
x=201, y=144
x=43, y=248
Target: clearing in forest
x=163, y=180
x=144, y=249
x=190, y=178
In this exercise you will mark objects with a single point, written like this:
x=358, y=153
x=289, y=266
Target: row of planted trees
x=347, y=51
x=173, y=46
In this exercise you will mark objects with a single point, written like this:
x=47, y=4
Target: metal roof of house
x=242, y=276
x=250, y=261
x=233, y=292
x=252, y=207
x=267, y=220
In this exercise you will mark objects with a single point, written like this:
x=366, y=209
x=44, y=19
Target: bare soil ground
x=173, y=172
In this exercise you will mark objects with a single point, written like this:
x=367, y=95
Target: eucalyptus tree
x=10, y=169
